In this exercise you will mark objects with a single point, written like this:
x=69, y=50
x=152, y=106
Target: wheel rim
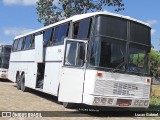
x=18, y=82
x=23, y=82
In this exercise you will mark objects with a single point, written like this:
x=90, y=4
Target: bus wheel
x=18, y=82
x=23, y=87
x=68, y=105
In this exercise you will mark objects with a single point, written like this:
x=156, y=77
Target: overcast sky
x=19, y=17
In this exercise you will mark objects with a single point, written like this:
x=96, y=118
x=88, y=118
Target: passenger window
x=76, y=28
x=47, y=36
x=60, y=33
x=32, y=45
x=14, y=48
x=27, y=42
x=75, y=53
x=82, y=29
x=20, y=43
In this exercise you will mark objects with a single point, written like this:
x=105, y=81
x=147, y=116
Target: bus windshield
x=137, y=60
x=108, y=54
x=112, y=55
x=6, y=50
x=120, y=47
x=4, y=62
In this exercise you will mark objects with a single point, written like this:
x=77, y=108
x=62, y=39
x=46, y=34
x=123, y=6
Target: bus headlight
x=103, y=100
x=146, y=102
x=110, y=100
x=141, y=103
x=97, y=100
x=136, y=102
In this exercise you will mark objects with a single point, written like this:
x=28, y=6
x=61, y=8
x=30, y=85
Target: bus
x=97, y=59
x=5, y=51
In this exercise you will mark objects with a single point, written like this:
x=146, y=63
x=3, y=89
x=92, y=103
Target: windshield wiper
x=118, y=66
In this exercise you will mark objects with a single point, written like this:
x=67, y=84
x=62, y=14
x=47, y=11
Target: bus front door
x=73, y=71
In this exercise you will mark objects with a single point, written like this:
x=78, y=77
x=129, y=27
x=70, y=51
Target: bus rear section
x=4, y=60
x=116, y=90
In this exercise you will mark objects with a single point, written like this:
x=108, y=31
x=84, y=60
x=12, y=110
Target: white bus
x=5, y=51
x=98, y=59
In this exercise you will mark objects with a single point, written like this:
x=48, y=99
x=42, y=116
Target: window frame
x=14, y=48
x=110, y=36
x=31, y=42
x=89, y=29
x=85, y=52
x=25, y=42
x=133, y=35
x=51, y=37
x=67, y=33
x=146, y=53
x=21, y=44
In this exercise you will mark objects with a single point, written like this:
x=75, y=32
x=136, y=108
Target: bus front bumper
x=3, y=76
x=115, y=101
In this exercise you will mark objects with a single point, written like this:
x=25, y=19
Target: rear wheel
x=68, y=105
x=18, y=82
x=23, y=87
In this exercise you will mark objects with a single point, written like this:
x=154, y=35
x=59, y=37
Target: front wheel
x=18, y=82
x=68, y=105
x=23, y=87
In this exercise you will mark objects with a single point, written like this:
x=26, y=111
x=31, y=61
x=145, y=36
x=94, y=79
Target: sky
x=19, y=17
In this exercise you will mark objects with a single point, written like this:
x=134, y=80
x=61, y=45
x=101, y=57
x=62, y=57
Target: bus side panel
x=51, y=78
x=19, y=62
x=54, y=53
x=12, y=72
x=23, y=56
x=89, y=85
x=53, y=59
x=30, y=74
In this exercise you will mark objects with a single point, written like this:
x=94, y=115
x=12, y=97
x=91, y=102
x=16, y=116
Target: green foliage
x=155, y=63
x=154, y=104
x=50, y=11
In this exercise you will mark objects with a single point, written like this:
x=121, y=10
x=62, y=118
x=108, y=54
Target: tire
x=23, y=87
x=18, y=82
x=68, y=105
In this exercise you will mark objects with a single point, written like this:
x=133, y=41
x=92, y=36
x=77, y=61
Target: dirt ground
x=155, y=90
x=12, y=99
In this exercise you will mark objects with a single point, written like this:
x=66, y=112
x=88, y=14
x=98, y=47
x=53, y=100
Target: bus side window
x=60, y=33
x=75, y=54
x=20, y=43
x=76, y=28
x=82, y=29
x=27, y=42
x=32, y=45
x=47, y=36
x=14, y=47
x=50, y=42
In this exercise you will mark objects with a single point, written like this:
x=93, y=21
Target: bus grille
x=108, y=87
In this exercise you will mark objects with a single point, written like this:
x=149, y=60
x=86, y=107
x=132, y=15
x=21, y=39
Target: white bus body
x=4, y=60
x=77, y=72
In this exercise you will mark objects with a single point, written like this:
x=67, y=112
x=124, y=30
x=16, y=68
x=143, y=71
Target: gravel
x=12, y=99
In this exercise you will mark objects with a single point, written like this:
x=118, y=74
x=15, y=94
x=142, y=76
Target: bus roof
x=83, y=16
x=5, y=45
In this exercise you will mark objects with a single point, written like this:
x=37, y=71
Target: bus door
x=39, y=68
x=73, y=71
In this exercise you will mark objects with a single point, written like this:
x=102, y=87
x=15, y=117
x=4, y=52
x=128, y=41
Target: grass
x=154, y=103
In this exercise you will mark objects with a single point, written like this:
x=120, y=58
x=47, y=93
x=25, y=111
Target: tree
x=49, y=12
x=155, y=63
